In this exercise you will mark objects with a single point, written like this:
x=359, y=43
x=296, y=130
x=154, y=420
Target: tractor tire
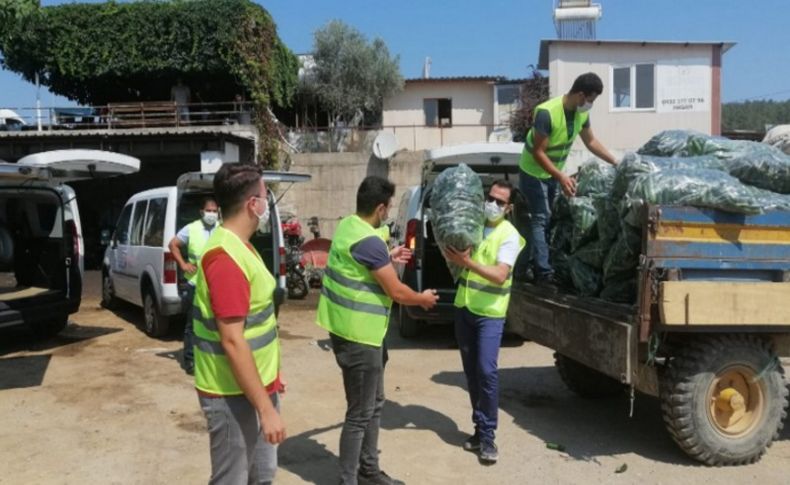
x=723, y=398
x=585, y=381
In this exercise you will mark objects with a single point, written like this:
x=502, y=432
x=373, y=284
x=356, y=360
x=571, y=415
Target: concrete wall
x=472, y=104
x=623, y=131
x=331, y=194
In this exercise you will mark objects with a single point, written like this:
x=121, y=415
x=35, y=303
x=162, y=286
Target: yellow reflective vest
x=559, y=141
x=479, y=295
x=213, y=373
x=196, y=245
x=352, y=304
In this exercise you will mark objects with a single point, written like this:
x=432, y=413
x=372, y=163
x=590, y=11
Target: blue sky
x=501, y=37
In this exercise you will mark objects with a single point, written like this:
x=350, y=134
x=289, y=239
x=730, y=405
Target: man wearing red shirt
x=237, y=355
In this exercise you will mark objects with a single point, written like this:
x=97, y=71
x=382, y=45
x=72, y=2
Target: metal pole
x=38, y=103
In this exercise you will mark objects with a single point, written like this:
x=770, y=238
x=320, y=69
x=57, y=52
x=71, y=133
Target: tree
x=534, y=91
x=351, y=76
x=754, y=115
x=111, y=52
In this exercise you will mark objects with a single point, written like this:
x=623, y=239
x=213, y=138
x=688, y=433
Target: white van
x=11, y=121
x=138, y=266
x=41, y=247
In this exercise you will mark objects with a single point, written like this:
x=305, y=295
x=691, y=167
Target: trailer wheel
x=585, y=381
x=724, y=398
x=407, y=326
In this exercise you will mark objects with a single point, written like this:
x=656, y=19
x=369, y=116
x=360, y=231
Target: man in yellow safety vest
x=237, y=350
x=359, y=286
x=481, y=306
x=556, y=124
x=193, y=237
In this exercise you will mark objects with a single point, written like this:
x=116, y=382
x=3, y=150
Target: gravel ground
x=103, y=403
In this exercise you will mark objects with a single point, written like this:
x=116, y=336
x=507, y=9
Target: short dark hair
x=234, y=183
x=372, y=192
x=588, y=84
x=505, y=184
x=206, y=200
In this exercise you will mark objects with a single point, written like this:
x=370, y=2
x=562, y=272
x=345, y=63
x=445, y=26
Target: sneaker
x=472, y=443
x=190, y=370
x=489, y=453
x=378, y=478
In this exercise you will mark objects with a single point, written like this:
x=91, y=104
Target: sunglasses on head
x=500, y=203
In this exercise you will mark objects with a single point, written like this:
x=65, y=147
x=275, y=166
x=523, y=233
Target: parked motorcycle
x=295, y=278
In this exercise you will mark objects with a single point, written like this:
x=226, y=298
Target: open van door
x=79, y=164
x=270, y=245
x=58, y=166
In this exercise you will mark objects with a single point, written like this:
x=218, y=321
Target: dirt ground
x=103, y=403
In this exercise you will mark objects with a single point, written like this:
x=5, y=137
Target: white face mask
x=585, y=107
x=263, y=219
x=493, y=211
x=210, y=218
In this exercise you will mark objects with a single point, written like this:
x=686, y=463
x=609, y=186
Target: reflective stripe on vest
x=352, y=304
x=479, y=295
x=256, y=343
x=249, y=320
x=559, y=142
x=196, y=244
x=213, y=373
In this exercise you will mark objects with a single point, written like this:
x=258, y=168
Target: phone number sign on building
x=683, y=85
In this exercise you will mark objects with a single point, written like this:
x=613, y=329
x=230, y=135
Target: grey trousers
x=240, y=455
x=363, y=380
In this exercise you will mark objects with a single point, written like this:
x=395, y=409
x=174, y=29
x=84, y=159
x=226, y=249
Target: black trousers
x=363, y=380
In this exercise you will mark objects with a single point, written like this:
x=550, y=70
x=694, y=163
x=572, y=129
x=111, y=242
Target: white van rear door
x=13, y=172
x=80, y=164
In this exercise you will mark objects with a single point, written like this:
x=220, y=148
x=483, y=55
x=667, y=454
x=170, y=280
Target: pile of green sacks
x=596, y=236
x=456, y=212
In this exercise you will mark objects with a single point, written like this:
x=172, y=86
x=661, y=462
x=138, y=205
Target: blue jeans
x=188, y=302
x=479, y=339
x=540, y=194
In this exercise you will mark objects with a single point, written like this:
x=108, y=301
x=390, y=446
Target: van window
x=155, y=222
x=137, y=222
x=122, y=229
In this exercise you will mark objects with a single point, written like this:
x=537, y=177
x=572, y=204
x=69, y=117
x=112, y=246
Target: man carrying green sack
x=481, y=306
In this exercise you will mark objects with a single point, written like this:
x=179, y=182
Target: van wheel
x=156, y=324
x=585, y=381
x=723, y=398
x=407, y=326
x=108, y=299
x=49, y=328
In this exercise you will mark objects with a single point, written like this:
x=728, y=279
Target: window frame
x=118, y=227
x=438, y=116
x=139, y=242
x=632, y=79
x=147, y=223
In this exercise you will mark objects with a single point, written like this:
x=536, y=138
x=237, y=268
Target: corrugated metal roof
x=543, y=55
x=456, y=79
x=248, y=132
